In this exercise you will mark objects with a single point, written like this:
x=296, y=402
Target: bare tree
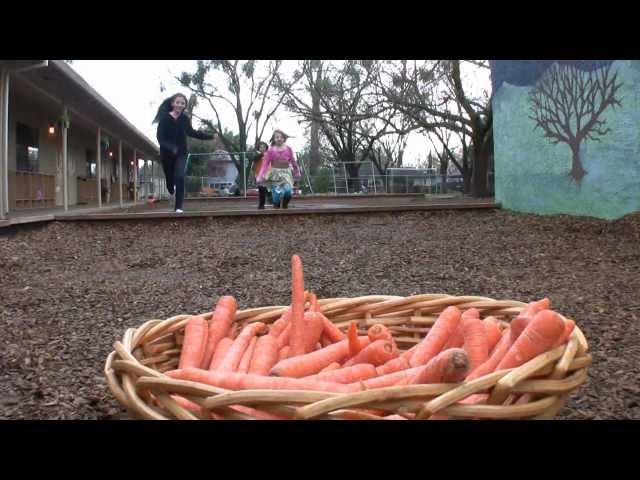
x=247, y=95
x=433, y=95
x=567, y=105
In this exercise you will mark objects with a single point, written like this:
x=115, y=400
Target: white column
x=99, y=166
x=3, y=120
x=65, y=162
x=4, y=154
x=135, y=176
x=120, y=170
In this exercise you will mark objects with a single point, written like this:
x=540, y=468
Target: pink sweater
x=271, y=155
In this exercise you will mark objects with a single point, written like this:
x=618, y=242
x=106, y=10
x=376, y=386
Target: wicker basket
x=535, y=390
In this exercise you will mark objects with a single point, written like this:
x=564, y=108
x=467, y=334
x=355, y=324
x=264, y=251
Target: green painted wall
x=532, y=174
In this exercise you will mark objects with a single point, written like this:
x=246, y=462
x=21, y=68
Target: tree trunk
x=466, y=178
x=480, y=176
x=314, y=152
x=577, y=170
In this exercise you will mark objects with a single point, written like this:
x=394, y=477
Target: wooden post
x=99, y=166
x=3, y=120
x=65, y=161
x=4, y=154
x=120, y=170
x=135, y=176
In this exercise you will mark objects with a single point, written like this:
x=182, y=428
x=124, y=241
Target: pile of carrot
x=303, y=350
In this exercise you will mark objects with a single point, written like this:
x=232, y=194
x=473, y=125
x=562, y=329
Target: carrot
x=352, y=374
x=377, y=353
x=324, y=341
x=395, y=417
x=247, y=356
x=187, y=404
x=498, y=353
x=219, y=325
x=449, y=366
x=333, y=366
x=194, y=343
x=296, y=339
x=519, y=323
x=221, y=350
x=569, y=325
x=389, y=379
x=332, y=332
x=438, y=335
x=311, y=363
x=492, y=332
x=278, y=327
x=313, y=300
x=283, y=353
x=283, y=339
x=313, y=330
x=352, y=336
x=379, y=331
x=232, y=359
x=475, y=339
x=393, y=365
x=542, y=332
x=265, y=356
x=246, y=381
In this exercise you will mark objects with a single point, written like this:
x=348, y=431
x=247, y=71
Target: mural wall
x=567, y=136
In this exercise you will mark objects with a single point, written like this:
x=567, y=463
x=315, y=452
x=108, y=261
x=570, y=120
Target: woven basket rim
x=562, y=369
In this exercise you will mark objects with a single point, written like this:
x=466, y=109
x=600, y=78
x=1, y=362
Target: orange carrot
x=542, y=332
x=324, y=341
x=498, y=353
x=456, y=340
x=313, y=300
x=194, y=343
x=569, y=325
x=296, y=339
x=246, y=381
x=221, y=350
x=352, y=374
x=313, y=330
x=265, y=356
x=449, y=366
x=389, y=379
x=393, y=365
x=311, y=363
x=245, y=362
x=283, y=353
x=395, y=417
x=379, y=331
x=377, y=353
x=283, y=339
x=437, y=337
x=519, y=323
x=219, y=325
x=475, y=339
x=232, y=359
x=187, y=404
x=352, y=336
x=332, y=332
x=492, y=331
x=333, y=366
x=278, y=327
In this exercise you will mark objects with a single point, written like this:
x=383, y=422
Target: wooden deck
x=248, y=207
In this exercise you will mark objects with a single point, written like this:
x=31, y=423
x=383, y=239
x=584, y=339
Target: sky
x=133, y=87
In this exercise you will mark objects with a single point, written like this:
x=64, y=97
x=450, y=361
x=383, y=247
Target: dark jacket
x=172, y=134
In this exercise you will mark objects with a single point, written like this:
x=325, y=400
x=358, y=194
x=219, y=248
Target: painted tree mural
x=567, y=105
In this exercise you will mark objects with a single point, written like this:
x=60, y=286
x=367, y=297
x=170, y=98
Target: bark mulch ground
x=68, y=290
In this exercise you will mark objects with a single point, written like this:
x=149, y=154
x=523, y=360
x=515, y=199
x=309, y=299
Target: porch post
x=4, y=143
x=120, y=170
x=65, y=161
x=135, y=176
x=99, y=166
x=3, y=120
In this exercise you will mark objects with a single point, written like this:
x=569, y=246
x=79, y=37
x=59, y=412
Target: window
x=27, y=149
x=91, y=164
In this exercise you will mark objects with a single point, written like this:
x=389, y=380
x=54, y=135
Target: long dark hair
x=165, y=106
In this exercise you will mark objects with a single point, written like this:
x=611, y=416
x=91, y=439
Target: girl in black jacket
x=173, y=128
